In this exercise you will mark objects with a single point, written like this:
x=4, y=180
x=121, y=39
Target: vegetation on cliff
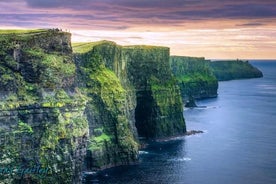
x=194, y=76
x=41, y=111
x=112, y=141
x=234, y=69
x=159, y=110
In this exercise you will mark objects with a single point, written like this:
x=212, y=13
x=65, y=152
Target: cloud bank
x=223, y=25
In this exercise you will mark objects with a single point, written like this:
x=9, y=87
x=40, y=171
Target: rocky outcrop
x=195, y=78
x=234, y=69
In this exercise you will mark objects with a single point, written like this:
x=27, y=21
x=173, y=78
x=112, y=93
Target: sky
x=214, y=29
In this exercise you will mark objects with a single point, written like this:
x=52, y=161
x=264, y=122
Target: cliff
x=61, y=113
x=234, y=69
x=159, y=110
x=111, y=105
x=154, y=104
x=42, y=124
x=195, y=77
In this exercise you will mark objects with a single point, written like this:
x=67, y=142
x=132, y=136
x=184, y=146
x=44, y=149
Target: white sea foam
x=180, y=159
x=206, y=107
x=267, y=86
x=143, y=152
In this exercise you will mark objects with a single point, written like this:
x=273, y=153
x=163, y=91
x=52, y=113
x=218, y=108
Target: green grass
x=85, y=47
x=144, y=47
x=97, y=143
x=21, y=31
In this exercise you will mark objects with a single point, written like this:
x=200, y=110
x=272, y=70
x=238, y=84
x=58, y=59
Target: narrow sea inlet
x=238, y=146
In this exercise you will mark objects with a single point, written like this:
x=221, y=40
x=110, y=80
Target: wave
x=180, y=159
x=201, y=108
x=267, y=86
x=206, y=107
x=143, y=152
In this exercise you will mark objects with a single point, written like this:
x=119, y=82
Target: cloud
x=251, y=24
x=127, y=14
x=52, y=3
x=164, y=9
x=190, y=27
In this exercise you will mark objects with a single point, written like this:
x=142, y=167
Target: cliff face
x=235, y=69
x=111, y=105
x=194, y=76
x=41, y=112
x=159, y=111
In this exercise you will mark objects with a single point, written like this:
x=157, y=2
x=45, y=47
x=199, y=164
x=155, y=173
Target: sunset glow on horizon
x=212, y=29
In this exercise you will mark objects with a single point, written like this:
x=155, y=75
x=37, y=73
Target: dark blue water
x=239, y=146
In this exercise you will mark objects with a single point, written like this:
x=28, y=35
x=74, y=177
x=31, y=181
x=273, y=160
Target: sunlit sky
x=215, y=29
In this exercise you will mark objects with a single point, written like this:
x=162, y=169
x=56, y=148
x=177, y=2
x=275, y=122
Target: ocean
x=238, y=145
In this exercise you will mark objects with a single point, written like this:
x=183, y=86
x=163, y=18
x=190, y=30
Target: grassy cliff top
x=144, y=47
x=21, y=31
x=232, y=63
x=25, y=34
x=188, y=57
x=83, y=47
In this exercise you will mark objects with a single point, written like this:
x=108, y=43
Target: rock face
x=42, y=122
x=234, y=69
x=61, y=113
x=159, y=111
x=111, y=105
x=195, y=77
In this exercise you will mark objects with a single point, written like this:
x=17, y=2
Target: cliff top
x=188, y=57
x=22, y=31
x=20, y=34
x=83, y=47
x=145, y=47
x=230, y=61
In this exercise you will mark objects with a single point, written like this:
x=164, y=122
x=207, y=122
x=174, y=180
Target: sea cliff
x=42, y=121
x=234, y=69
x=64, y=112
x=195, y=78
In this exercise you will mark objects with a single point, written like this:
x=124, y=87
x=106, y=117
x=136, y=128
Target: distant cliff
x=234, y=69
x=62, y=112
x=194, y=76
